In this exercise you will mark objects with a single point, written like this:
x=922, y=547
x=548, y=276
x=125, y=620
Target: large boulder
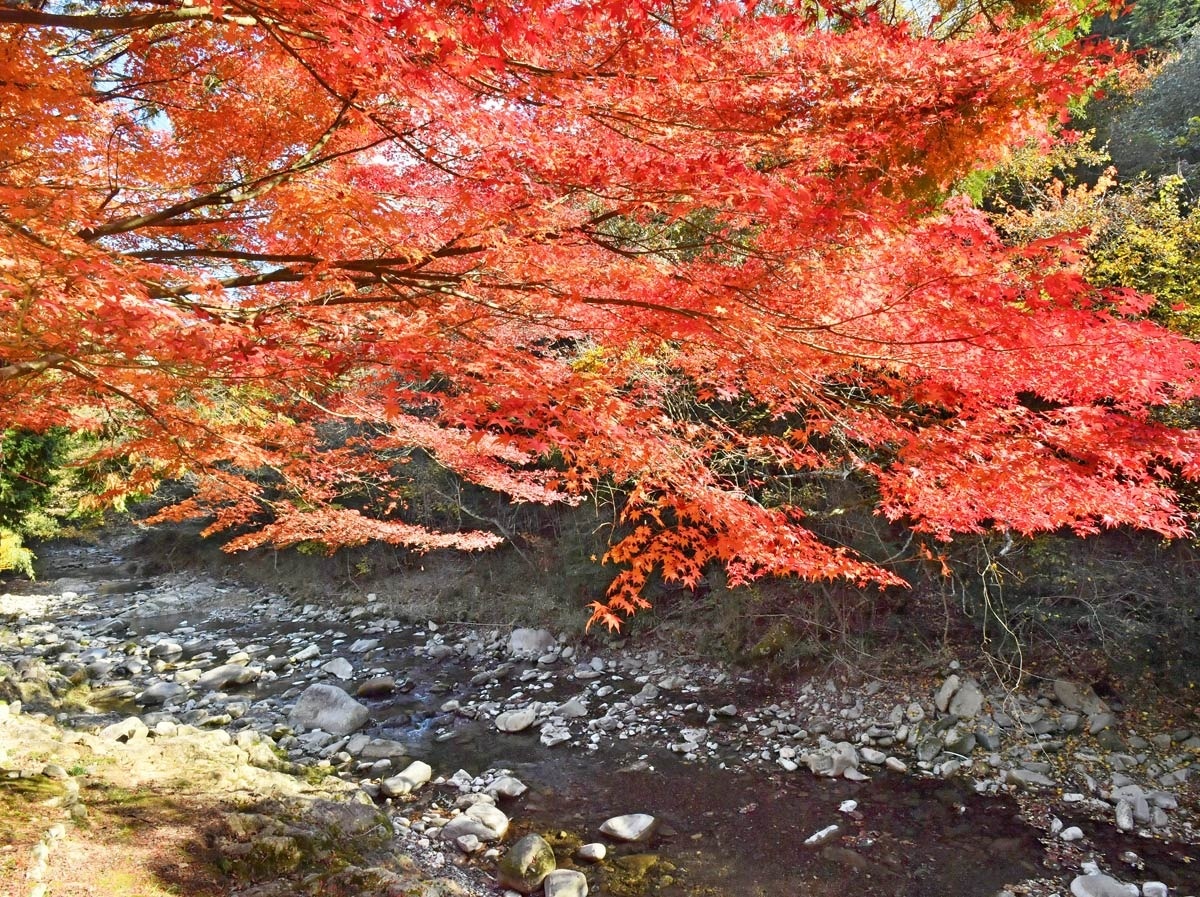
x=328, y=708
x=526, y=864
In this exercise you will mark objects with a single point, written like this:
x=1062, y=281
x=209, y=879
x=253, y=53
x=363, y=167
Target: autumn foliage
x=686, y=248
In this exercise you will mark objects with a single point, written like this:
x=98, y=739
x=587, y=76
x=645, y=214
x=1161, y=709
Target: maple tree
x=690, y=248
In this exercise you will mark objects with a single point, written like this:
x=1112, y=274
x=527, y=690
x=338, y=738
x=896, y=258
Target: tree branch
x=23, y=368
x=236, y=193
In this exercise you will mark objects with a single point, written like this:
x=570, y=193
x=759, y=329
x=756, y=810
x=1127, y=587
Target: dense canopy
x=692, y=249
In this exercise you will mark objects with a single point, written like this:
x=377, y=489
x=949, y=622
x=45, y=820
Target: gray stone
x=526, y=864
x=648, y=693
x=1071, y=833
x=929, y=748
x=1098, y=722
x=468, y=843
x=987, y=735
x=161, y=693
x=1154, y=889
x=572, y=709
x=630, y=827
x=382, y=749
x=306, y=654
x=1124, y=813
x=1074, y=696
x=229, y=675
x=329, y=708
x=1096, y=885
x=339, y=667
x=872, y=756
x=942, y=699
x=166, y=649
x=507, y=786
x=516, y=720
x=565, y=883
x=961, y=743
x=967, y=701
x=1024, y=778
x=530, y=642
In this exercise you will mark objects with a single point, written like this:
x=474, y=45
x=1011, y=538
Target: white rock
x=128, y=729
x=1097, y=885
x=410, y=779
x=1071, y=833
x=565, y=883
x=490, y=816
x=1154, y=889
x=592, y=853
x=630, y=827
x=824, y=835
x=1124, y=815
x=467, y=843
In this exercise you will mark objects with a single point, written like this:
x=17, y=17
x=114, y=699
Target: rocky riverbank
x=441, y=745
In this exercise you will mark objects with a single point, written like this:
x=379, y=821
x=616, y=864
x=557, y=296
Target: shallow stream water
x=730, y=825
